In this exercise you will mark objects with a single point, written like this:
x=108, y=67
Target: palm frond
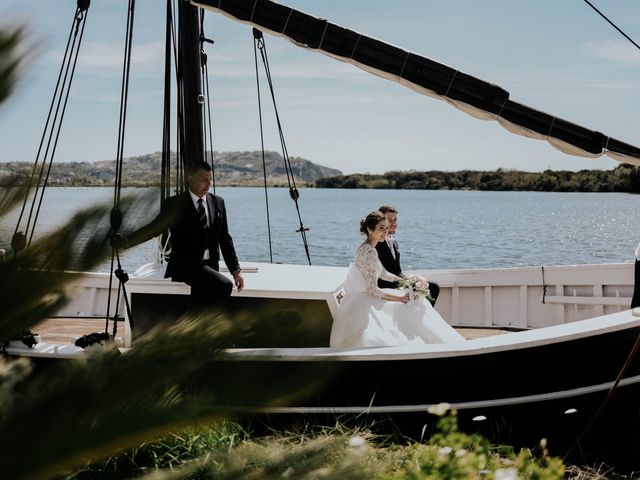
x=12, y=60
x=32, y=282
x=172, y=378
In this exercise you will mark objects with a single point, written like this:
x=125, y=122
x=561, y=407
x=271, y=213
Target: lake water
x=437, y=229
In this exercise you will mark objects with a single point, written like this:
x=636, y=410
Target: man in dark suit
x=389, y=253
x=197, y=221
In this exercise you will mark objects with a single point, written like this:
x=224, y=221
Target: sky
x=556, y=56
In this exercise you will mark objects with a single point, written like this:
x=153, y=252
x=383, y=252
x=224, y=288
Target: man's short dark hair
x=388, y=209
x=195, y=167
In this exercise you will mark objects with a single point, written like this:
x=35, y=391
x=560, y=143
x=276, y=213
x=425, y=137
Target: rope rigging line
x=264, y=163
x=61, y=91
x=124, y=96
x=116, y=214
x=294, y=193
x=207, y=124
x=180, y=128
x=612, y=24
x=165, y=171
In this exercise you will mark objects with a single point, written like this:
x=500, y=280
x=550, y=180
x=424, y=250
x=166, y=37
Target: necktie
x=202, y=214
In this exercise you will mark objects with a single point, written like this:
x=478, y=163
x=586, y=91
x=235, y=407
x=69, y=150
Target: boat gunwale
x=581, y=329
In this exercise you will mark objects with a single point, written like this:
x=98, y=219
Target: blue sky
x=556, y=56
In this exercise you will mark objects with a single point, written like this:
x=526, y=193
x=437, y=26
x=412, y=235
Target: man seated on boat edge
x=389, y=253
x=197, y=222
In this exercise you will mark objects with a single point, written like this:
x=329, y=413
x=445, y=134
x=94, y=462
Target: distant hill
x=231, y=168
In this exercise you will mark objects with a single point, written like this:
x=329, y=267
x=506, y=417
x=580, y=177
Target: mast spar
x=189, y=68
x=480, y=99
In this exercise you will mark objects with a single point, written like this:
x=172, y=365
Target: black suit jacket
x=188, y=239
x=391, y=265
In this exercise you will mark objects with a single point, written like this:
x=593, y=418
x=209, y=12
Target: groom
x=389, y=253
x=199, y=230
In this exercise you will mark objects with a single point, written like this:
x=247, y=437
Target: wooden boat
x=559, y=335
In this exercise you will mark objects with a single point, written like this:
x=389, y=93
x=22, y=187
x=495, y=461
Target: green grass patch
x=227, y=451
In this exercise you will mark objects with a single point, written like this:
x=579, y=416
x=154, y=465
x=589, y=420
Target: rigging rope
x=62, y=89
x=264, y=163
x=206, y=117
x=612, y=24
x=180, y=184
x=180, y=129
x=165, y=175
x=294, y=193
x=116, y=214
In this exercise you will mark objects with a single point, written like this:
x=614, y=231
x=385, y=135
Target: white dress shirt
x=389, y=240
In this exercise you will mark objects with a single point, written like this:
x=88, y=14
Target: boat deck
x=65, y=330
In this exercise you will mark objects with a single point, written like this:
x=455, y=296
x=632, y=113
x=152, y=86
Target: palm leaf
x=32, y=282
x=94, y=408
x=172, y=378
x=11, y=60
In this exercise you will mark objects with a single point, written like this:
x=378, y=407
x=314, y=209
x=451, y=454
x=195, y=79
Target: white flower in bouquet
x=418, y=285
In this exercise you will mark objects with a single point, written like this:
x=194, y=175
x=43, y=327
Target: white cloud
x=618, y=51
x=302, y=66
x=104, y=57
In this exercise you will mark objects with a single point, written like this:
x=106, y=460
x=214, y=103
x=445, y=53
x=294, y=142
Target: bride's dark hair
x=370, y=221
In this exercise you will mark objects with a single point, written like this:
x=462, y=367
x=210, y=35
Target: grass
x=227, y=451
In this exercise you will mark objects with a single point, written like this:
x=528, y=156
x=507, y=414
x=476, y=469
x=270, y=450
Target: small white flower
x=439, y=409
x=506, y=474
x=444, y=452
x=461, y=453
x=357, y=442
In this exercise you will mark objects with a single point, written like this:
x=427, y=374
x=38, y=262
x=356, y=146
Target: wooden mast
x=190, y=67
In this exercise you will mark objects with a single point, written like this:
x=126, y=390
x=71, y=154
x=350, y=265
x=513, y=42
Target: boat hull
x=515, y=397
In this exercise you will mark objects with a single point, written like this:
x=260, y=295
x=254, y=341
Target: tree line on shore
x=623, y=178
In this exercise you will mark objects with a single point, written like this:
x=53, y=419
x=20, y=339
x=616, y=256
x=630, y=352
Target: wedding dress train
x=365, y=319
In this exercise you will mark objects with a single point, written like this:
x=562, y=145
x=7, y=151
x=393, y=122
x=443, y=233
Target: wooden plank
x=522, y=317
x=488, y=306
x=575, y=300
x=66, y=330
x=560, y=308
x=470, y=333
x=597, y=293
x=455, y=305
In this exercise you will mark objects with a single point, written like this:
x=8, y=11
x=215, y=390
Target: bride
x=372, y=317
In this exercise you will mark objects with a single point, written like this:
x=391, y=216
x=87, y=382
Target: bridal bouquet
x=417, y=286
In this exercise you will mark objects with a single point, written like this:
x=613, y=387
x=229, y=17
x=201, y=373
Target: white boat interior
x=542, y=299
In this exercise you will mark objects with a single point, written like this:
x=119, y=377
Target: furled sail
x=478, y=98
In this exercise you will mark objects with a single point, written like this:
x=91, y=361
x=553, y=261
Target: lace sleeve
x=388, y=276
x=367, y=262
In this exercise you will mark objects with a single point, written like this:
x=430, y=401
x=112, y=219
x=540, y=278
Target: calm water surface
x=437, y=229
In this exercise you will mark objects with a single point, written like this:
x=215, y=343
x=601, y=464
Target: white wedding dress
x=365, y=319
